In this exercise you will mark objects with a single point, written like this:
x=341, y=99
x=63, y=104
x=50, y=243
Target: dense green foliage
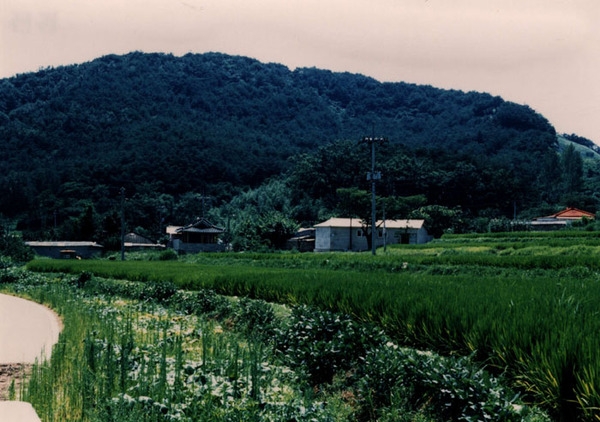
x=522, y=303
x=188, y=136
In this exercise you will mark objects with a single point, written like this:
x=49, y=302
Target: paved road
x=27, y=330
x=17, y=411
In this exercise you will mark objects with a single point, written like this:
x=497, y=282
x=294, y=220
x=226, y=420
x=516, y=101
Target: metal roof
x=63, y=244
x=389, y=224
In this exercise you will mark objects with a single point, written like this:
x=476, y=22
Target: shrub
x=10, y=275
x=5, y=262
x=380, y=382
x=168, y=255
x=83, y=278
x=451, y=388
x=205, y=302
x=157, y=291
x=256, y=319
x=14, y=247
x=323, y=343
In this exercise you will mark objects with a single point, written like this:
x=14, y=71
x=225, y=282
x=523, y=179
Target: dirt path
x=28, y=331
x=16, y=372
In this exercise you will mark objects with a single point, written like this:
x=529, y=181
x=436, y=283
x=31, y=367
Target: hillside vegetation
x=192, y=135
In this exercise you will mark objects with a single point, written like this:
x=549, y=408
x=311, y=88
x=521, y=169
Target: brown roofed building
x=346, y=234
x=561, y=219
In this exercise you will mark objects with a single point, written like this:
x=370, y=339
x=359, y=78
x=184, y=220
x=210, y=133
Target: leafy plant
x=256, y=319
x=168, y=255
x=324, y=343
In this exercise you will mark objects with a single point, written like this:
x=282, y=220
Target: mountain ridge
x=216, y=124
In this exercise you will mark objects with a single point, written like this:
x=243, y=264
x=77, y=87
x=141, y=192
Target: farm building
x=346, y=234
x=201, y=236
x=66, y=249
x=303, y=240
x=561, y=219
x=136, y=242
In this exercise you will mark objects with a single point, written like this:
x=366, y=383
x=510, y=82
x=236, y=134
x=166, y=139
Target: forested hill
x=210, y=123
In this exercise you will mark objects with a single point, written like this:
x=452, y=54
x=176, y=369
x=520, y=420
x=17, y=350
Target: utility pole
x=373, y=176
x=122, y=224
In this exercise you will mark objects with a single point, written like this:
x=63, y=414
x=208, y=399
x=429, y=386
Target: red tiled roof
x=572, y=214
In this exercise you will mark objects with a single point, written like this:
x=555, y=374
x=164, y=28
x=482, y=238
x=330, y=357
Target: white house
x=346, y=234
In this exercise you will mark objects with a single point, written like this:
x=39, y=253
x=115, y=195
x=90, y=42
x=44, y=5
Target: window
x=359, y=233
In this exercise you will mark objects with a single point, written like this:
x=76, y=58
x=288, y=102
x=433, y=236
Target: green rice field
x=525, y=305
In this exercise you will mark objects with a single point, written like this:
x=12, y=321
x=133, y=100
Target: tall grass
x=130, y=361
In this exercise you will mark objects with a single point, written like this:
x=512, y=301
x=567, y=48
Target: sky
x=542, y=53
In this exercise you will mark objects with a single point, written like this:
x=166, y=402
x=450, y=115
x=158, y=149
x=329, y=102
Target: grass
x=123, y=360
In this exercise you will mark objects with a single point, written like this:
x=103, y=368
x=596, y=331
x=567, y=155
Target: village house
x=200, y=236
x=560, y=219
x=346, y=234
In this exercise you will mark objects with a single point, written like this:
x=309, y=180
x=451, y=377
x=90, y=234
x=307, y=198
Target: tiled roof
x=571, y=214
x=200, y=226
x=195, y=230
x=138, y=239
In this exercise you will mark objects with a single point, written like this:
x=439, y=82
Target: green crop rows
x=525, y=305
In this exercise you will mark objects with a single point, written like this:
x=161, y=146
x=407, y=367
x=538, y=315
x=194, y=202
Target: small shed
x=137, y=242
x=200, y=236
x=346, y=234
x=66, y=249
x=303, y=240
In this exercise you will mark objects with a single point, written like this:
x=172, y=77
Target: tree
x=550, y=177
x=12, y=245
x=440, y=219
x=270, y=230
x=572, y=166
x=87, y=224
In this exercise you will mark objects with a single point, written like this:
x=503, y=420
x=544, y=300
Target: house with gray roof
x=200, y=236
x=346, y=234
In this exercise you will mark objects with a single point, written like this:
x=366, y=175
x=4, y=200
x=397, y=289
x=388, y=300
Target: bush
x=157, y=291
x=380, y=383
x=205, y=302
x=83, y=278
x=13, y=246
x=168, y=255
x=10, y=275
x=323, y=343
x=256, y=319
x=451, y=388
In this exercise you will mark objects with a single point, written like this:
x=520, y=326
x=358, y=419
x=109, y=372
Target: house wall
x=54, y=251
x=322, y=239
x=348, y=239
x=339, y=238
x=184, y=247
